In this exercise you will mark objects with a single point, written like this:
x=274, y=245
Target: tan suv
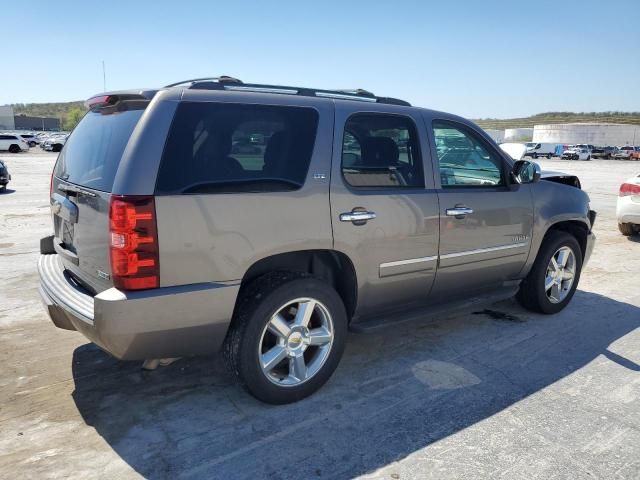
x=268, y=220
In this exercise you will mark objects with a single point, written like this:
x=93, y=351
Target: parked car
x=628, y=206
x=30, y=138
x=12, y=142
x=635, y=155
x=5, y=176
x=624, y=153
x=54, y=143
x=535, y=150
x=577, y=153
x=602, y=152
x=165, y=244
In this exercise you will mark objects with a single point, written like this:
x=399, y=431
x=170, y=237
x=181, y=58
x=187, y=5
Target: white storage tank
x=601, y=134
x=518, y=134
x=497, y=135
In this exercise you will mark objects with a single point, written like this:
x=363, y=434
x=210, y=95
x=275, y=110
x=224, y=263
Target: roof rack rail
x=220, y=79
x=225, y=82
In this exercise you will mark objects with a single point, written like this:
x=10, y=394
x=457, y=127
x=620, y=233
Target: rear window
x=93, y=151
x=226, y=148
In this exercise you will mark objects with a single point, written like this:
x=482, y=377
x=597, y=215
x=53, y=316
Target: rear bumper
x=628, y=209
x=158, y=323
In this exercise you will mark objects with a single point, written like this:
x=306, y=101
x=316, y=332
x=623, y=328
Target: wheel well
x=573, y=227
x=329, y=265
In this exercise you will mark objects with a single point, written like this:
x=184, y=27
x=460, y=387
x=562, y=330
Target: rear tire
x=626, y=229
x=269, y=317
x=14, y=149
x=548, y=156
x=534, y=294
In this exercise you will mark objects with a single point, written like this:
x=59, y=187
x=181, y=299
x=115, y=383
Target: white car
x=628, y=208
x=577, y=153
x=54, y=143
x=14, y=143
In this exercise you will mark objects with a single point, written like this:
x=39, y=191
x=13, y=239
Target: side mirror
x=524, y=171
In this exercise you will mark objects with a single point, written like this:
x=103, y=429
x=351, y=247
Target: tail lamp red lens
x=629, y=189
x=134, y=242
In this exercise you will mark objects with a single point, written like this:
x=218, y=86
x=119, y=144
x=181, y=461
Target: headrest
x=380, y=152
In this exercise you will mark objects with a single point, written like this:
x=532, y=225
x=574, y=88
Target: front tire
x=287, y=336
x=554, y=277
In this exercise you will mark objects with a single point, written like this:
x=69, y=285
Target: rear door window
x=381, y=151
x=93, y=151
x=225, y=148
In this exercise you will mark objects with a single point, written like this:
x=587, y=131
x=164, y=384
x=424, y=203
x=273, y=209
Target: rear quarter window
x=93, y=151
x=226, y=148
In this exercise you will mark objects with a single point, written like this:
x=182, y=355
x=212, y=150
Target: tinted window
x=93, y=151
x=381, y=151
x=223, y=147
x=465, y=161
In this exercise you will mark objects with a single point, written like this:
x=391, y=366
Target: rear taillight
x=133, y=242
x=629, y=189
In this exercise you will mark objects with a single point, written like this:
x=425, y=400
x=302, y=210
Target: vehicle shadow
x=6, y=191
x=395, y=392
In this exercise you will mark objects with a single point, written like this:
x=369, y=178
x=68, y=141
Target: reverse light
x=133, y=242
x=627, y=189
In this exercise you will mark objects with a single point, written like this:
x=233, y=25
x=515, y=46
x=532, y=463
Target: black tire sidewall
x=539, y=271
x=256, y=319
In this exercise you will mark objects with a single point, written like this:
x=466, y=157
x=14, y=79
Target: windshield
x=93, y=151
x=529, y=145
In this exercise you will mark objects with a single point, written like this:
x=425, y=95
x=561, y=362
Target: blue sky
x=475, y=58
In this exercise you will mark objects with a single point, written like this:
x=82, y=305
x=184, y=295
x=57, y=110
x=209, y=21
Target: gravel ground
x=507, y=394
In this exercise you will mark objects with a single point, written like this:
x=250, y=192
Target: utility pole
x=104, y=78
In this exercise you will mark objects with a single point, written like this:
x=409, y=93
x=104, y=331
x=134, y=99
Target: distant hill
x=56, y=110
x=632, y=118
x=60, y=110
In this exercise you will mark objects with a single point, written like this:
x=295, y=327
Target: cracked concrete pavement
x=507, y=395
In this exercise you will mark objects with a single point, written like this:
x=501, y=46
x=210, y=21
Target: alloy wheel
x=296, y=342
x=560, y=275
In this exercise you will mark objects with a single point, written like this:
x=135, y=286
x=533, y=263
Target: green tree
x=71, y=119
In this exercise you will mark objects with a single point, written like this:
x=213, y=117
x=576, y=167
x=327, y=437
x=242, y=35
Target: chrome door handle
x=357, y=216
x=459, y=212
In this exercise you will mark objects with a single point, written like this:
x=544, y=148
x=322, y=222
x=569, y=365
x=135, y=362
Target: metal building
x=6, y=118
x=10, y=121
x=602, y=134
x=24, y=122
